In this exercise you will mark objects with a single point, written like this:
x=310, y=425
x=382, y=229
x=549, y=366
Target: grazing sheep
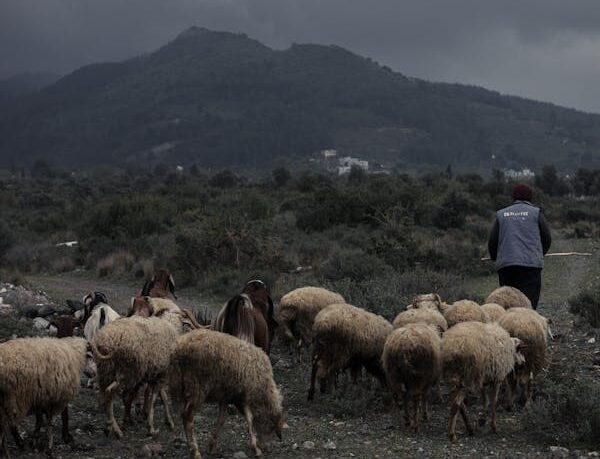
x=216, y=367
x=531, y=328
x=494, y=311
x=297, y=311
x=146, y=306
x=411, y=359
x=41, y=376
x=509, y=297
x=426, y=300
x=464, y=311
x=133, y=351
x=475, y=354
x=347, y=337
x=426, y=316
x=160, y=284
x=97, y=314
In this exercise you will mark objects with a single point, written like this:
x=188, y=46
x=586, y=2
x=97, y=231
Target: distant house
x=328, y=153
x=346, y=163
x=525, y=173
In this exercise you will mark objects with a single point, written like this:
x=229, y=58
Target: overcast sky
x=543, y=49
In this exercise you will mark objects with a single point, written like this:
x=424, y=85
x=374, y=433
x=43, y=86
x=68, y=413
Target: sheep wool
x=474, y=354
x=464, y=311
x=101, y=315
x=494, y=311
x=532, y=329
x=132, y=351
x=411, y=360
x=346, y=336
x=426, y=316
x=297, y=311
x=38, y=375
x=216, y=367
x=509, y=297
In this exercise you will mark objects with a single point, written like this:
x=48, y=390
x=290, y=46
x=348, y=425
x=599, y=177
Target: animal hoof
x=453, y=438
x=258, y=452
x=153, y=432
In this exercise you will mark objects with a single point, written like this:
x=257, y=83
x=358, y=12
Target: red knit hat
x=522, y=192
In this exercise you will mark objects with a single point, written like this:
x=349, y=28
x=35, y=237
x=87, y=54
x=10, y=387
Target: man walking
x=519, y=240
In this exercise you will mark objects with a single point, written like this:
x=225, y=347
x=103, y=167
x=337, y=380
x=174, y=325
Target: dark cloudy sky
x=543, y=49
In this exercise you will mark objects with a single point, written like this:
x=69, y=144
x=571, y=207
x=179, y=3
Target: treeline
x=384, y=233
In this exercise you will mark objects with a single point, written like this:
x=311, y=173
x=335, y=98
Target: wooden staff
x=557, y=254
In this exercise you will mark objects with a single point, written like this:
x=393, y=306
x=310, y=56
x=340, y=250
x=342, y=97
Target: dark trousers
x=528, y=280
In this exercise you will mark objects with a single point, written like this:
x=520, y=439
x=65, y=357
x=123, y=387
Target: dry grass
x=118, y=262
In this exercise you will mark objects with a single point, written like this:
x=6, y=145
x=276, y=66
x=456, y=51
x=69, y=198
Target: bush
x=587, y=304
x=565, y=413
x=116, y=263
x=353, y=264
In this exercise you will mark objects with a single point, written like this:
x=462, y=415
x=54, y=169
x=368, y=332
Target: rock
x=6, y=309
x=40, y=323
x=239, y=455
x=46, y=310
x=308, y=444
x=282, y=364
x=591, y=340
x=144, y=451
x=559, y=452
x=329, y=445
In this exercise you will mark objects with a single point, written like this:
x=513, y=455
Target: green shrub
x=587, y=304
x=353, y=264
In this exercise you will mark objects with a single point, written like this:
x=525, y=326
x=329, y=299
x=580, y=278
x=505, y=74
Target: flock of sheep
x=160, y=350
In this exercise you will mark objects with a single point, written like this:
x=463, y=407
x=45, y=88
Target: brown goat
x=160, y=285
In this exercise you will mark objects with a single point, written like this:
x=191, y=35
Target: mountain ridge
x=223, y=99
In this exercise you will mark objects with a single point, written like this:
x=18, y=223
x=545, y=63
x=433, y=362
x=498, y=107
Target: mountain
x=223, y=99
x=25, y=83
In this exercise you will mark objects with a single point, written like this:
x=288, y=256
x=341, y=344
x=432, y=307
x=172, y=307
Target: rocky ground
x=354, y=421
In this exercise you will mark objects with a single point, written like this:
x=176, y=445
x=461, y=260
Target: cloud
x=545, y=49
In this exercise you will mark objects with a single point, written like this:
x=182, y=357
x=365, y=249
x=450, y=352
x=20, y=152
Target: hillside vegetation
x=221, y=99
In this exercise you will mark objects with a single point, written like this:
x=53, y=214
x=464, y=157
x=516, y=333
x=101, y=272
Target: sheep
x=146, y=306
x=509, y=297
x=297, y=311
x=347, y=336
x=494, y=311
x=463, y=311
x=130, y=352
x=531, y=328
x=216, y=367
x=411, y=360
x=160, y=284
x=426, y=315
x=97, y=314
x=473, y=355
x=41, y=376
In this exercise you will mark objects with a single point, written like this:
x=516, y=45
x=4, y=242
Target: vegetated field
x=361, y=420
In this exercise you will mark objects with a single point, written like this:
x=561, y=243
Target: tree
x=281, y=176
x=550, y=183
x=357, y=174
x=41, y=169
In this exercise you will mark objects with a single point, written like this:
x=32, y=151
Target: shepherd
x=518, y=242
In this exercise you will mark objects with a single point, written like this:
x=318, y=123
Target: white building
x=346, y=163
x=525, y=173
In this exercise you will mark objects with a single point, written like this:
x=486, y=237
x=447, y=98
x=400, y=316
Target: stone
x=559, y=452
x=329, y=445
x=308, y=444
x=40, y=323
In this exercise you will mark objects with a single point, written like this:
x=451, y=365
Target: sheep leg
x=128, y=399
x=39, y=421
x=4, y=436
x=151, y=429
x=49, y=433
x=416, y=399
x=405, y=400
x=251, y=431
x=511, y=391
x=463, y=414
x=188, y=426
x=111, y=422
x=425, y=399
x=457, y=400
x=212, y=446
x=313, y=377
x=495, y=393
x=484, y=405
x=168, y=417
x=17, y=436
x=64, y=416
x=528, y=391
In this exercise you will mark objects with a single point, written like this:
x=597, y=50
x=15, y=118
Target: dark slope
x=218, y=98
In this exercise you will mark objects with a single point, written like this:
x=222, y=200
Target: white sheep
x=475, y=354
x=210, y=366
x=411, y=360
x=464, y=311
x=509, y=297
x=41, y=376
x=425, y=315
x=345, y=336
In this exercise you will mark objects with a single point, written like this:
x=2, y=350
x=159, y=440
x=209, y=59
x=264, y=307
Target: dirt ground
x=354, y=421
